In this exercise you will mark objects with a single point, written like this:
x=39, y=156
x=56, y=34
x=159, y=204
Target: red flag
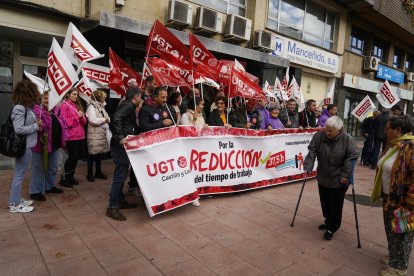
x=225, y=70
x=242, y=86
x=167, y=74
x=120, y=73
x=201, y=58
x=167, y=46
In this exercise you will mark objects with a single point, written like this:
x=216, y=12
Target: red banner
x=202, y=60
x=167, y=46
x=120, y=73
x=169, y=75
x=242, y=86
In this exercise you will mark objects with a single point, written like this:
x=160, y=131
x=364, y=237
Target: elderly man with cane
x=335, y=151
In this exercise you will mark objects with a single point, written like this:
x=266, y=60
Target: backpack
x=11, y=144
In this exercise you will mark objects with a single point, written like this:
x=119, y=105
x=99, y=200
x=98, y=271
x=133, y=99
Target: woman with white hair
x=335, y=151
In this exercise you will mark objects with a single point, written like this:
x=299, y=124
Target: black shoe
x=126, y=205
x=114, y=214
x=66, y=183
x=322, y=226
x=37, y=197
x=328, y=235
x=54, y=190
x=100, y=176
x=373, y=167
x=90, y=178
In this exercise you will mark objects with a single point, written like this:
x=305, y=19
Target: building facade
x=318, y=41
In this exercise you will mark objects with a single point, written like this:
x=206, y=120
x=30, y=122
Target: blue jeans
x=21, y=165
x=120, y=158
x=42, y=180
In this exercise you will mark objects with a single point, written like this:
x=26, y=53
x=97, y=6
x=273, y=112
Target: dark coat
x=307, y=119
x=293, y=117
x=151, y=116
x=123, y=122
x=238, y=118
x=334, y=158
x=214, y=118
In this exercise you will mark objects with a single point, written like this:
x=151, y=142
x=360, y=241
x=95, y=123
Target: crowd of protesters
x=87, y=132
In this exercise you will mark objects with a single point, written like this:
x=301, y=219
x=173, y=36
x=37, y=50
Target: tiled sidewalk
x=247, y=233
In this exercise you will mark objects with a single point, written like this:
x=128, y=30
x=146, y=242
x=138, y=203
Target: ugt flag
x=201, y=57
x=120, y=73
x=168, y=75
x=167, y=46
x=386, y=97
x=363, y=108
x=77, y=48
x=242, y=86
x=60, y=72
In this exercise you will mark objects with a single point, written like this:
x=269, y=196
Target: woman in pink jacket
x=45, y=167
x=73, y=116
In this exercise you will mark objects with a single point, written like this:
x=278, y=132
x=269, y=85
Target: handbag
x=402, y=220
x=11, y=144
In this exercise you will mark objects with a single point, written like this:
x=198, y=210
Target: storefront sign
x=301, y=53
x=374, y=86
x=177, y=164
x=390, y=74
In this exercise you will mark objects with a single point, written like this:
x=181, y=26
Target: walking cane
x=300, y=196
x=353, y=197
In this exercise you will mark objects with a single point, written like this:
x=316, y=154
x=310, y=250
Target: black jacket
x=214, y=118
x=123, y=122
x=307, y=119
x=151, y=116
x=238, y=118
x=379, y=124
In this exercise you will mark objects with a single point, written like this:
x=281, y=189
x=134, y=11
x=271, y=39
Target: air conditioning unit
x=264, y=41
x=119, y=3
x=371, y=63
x=238, y=27
x=180, y=13
x=410, y=76
x=208, y=20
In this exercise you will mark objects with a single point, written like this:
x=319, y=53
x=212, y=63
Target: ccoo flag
x=386, y=97
x=77, y=48
x=60, y=72
x=363, y=108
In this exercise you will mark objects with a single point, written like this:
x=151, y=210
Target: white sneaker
x=393, y=272
x=196, y=203
x=26, y=202
x=20, y=208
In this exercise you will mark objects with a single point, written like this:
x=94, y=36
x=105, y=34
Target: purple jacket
x=275, y=123
x=265, y=117
x=322, y=119
x=46, y=127
x=72, y=123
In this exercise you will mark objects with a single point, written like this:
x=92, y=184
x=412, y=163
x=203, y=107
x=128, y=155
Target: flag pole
x=146, y=58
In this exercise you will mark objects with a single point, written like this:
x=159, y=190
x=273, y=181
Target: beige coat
x=97, y=128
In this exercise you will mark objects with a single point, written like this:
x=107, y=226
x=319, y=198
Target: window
x=358, y=40
x=34, y=49
x=225, y=6
x=304, y=20
x=409, y=63
x=397, y=60
x=379, y=48
x=6, y=66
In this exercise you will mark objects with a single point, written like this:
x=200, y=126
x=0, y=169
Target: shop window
x=358, y=40
x=398, y=58
x=6, y=66
x=34, y=49
x=225, y=6
x=409, y=63
x=379, y=49
x=303, y=20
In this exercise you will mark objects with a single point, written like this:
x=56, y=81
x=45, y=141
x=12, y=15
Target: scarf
x=376, y=193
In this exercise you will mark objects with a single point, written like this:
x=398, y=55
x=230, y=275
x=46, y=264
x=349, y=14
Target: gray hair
x=335, y=122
